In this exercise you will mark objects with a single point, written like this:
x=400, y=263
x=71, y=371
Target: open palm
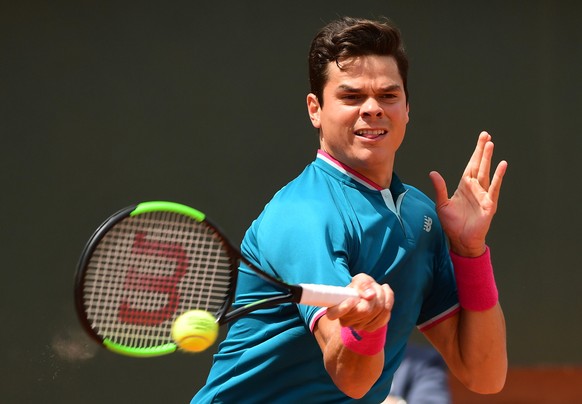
x=467, y=215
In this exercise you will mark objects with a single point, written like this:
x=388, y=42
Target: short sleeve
x=442, y=300
x=303, y=243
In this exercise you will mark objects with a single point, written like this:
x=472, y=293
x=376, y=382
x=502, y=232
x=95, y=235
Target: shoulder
x=419, y=197
x=297, y=211
x=313, y=195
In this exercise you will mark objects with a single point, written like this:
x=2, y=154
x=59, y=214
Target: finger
x=365, y=285
x=388, y=298
x=384, y=310
x=485, y=165
x=368, y=312
x=472, y=169
x=370, y=322
x=375, y=313
x=342, y=309
x=440, y=188
x=495, y=188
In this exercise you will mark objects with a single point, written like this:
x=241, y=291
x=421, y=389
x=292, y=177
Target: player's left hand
x=467, y=215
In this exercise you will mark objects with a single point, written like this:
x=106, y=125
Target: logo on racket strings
x=142, y=284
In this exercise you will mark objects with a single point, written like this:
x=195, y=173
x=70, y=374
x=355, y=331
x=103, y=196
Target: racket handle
x=325, y=295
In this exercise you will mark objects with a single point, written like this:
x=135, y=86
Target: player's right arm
x=354, y=373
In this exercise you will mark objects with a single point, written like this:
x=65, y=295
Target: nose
x=371, y=108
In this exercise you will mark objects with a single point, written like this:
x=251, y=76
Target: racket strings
x=147, y=270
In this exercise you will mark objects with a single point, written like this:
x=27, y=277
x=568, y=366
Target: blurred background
x=103, y=104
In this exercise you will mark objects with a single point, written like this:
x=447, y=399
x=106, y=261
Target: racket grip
x=325, y=295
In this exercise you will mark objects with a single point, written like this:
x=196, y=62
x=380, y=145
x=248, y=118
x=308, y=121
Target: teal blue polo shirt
x=326, y=226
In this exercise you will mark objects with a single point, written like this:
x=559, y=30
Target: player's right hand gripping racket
x=149, y=263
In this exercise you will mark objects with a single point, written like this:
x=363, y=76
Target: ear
x=314, y=110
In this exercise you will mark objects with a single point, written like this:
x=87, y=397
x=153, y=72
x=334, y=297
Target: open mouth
x=370, y=133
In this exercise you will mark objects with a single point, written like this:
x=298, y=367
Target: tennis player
x=347, y=219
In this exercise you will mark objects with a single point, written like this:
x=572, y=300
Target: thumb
x=440, y=188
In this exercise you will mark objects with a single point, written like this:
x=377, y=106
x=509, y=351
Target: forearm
x=481, y=327
x=476, y=353
x=353, y=373
x=481, y=340
x=473, y=344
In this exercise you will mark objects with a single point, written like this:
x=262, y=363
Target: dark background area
x=104, y=104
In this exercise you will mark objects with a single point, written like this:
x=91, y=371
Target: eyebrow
x=387, y=89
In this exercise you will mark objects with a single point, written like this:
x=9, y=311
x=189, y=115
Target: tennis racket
x=149, y=263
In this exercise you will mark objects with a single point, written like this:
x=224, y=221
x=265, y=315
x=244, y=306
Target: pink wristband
x=363, y=342
x=475, y=281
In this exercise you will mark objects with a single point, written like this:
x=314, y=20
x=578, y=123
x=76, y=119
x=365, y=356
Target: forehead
x=364, y=70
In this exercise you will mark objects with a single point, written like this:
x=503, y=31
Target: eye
x=389, y=96
x=351, y=98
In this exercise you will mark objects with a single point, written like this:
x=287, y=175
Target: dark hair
x=350, y=37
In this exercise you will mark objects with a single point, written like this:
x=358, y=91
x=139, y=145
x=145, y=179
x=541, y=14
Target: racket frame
x=291, y=294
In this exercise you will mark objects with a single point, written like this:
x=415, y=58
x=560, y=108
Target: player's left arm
x=473, y=345
x=473, y=342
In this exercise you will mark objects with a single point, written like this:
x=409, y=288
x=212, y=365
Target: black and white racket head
x=146, y=265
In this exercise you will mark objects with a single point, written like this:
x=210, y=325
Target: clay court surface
x=539, y=385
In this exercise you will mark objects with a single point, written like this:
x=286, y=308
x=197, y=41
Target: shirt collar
x=396, y=186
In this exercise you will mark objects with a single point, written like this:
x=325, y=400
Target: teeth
x=369, y=132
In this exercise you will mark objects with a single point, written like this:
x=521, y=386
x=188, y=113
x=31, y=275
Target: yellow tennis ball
x=195, y=330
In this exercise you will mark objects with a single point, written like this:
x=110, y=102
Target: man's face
x=364, y=115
